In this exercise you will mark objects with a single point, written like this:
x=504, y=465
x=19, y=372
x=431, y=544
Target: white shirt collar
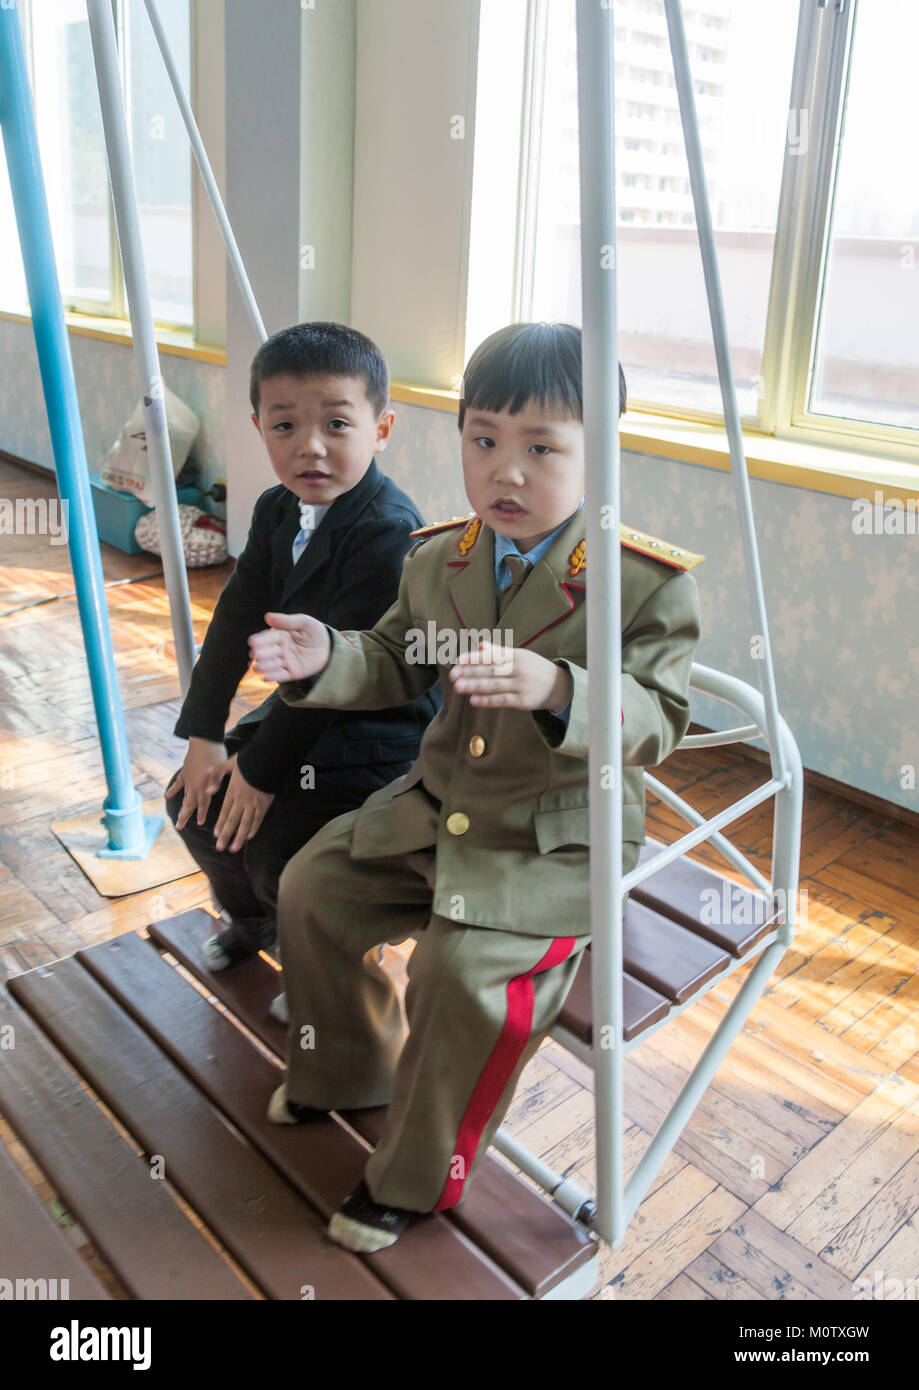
x=311, y=515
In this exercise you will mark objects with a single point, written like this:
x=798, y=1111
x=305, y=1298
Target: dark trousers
x=245, y=884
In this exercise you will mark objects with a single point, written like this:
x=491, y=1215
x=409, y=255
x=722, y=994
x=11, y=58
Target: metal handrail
x=741, y=695
x=716, y=739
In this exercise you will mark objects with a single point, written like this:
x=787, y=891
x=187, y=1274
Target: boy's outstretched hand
x=292, y=647
x=511, y=677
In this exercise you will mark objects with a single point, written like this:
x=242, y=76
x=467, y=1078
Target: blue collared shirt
x=504, y=546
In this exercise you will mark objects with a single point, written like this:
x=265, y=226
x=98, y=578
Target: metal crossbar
x=719, y=841
x=717, y=739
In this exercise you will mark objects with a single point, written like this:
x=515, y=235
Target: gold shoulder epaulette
x=674, y=555
x=443, y=525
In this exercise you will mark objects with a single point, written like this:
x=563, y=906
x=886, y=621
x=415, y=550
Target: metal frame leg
x=601, y=439
x=207, y=175
x=146, y=354
x=600, y=360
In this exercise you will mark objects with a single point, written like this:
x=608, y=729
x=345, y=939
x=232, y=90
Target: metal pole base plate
x=110, y=872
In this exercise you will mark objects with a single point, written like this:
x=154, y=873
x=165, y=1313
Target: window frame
x=116, y=309
x=825, y=34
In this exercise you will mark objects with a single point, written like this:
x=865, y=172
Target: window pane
x=741, y=60
x=867, y=361
x=162, y=158
x=13, y=297
x=72, y=147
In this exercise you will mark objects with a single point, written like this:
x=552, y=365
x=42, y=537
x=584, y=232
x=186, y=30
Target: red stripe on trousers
x=498, y=1069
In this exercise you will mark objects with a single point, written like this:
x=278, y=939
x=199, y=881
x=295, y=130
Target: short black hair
x=322, y=349
x=524, y=362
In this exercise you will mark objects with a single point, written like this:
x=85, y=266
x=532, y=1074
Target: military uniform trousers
x=478, y=1004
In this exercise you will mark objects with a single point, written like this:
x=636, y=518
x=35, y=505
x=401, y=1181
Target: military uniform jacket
x=503, y=793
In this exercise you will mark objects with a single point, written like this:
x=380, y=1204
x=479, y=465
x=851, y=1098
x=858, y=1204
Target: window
x=72, y=147
x=866, y=350
x=665, y=333
x=823, y=339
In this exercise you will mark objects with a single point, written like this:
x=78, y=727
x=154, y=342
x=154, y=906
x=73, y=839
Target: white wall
x=416, y=69
x=289, y=180
x=328, y=37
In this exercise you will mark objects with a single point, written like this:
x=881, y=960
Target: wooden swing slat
x=321, y=1159
x=273, y=1233
x=33, y=1247
x=534, y=1242
x=685, y=890
x=137, y=1227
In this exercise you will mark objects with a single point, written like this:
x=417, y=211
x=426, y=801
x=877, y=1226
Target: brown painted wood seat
x=189, y=1083
x=189, y=1078
x=36, y=1259
x=532, y=1240
x=683, y=926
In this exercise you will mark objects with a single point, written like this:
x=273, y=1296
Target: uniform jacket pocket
x=563, y=818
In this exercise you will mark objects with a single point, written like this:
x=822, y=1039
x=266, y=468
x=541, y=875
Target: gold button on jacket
x=457, y=823
x=477, y=745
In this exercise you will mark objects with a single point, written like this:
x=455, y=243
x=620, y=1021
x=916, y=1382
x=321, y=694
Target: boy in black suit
x=329, y=540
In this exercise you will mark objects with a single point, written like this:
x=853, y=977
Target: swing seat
x=671, y=949
x=189, y=1082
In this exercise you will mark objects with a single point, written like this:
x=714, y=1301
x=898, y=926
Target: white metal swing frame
x=616, y=1202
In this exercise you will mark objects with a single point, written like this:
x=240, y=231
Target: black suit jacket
x=347, y=577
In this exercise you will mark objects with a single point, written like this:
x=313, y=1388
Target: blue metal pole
x=130, y=833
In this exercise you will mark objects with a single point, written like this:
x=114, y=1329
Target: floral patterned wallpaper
x=843, y=607
x=107, y=392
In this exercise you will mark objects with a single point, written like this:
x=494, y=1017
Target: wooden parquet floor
x=798, y=1173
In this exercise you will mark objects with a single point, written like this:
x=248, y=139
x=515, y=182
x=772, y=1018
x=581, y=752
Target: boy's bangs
x=322, y=349
x=528, y=362
x=538, y=363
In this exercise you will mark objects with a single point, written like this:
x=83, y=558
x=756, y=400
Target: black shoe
x=238, y=942
x=282, y=1111
x=362, y=1224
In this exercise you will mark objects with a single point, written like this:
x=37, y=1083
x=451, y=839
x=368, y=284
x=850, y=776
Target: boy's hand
x=293, y=647
x=511, y=677
x=196, y=780
x=244, y=808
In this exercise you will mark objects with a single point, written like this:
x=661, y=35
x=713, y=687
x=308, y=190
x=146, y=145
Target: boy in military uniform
x=481, y=849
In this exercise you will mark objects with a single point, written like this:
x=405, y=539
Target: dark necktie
x=518, y=568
